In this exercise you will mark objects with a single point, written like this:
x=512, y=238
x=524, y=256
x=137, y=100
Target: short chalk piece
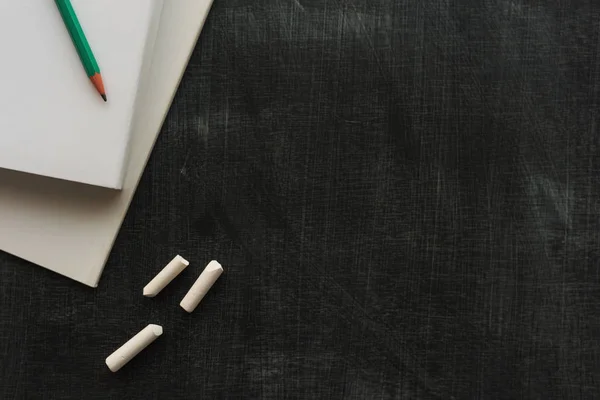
x=207, y=278
x=164, y=277
x=133, y=347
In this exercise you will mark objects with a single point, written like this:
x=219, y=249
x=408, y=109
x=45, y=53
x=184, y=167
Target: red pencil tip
x=103, y=97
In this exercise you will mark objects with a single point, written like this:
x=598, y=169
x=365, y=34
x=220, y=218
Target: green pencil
x=81, y=44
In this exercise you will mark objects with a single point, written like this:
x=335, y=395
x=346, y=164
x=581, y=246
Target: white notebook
x=70, y=228
x=52, y=120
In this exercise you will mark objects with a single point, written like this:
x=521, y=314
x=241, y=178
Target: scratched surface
x=404, y=194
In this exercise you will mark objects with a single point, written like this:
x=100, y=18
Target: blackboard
x=404, y=195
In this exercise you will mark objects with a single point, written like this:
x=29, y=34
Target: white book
x=53, y=122
x=70, y=228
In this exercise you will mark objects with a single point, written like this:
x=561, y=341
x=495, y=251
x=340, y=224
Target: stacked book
x=69, y=161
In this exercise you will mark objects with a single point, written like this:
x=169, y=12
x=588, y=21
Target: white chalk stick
x=202, y=285
x=139, y=342
x=164, y=277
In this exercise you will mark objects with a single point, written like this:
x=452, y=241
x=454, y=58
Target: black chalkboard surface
x=403, y=194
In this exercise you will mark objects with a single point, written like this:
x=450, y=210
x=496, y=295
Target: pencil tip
x=99, y=84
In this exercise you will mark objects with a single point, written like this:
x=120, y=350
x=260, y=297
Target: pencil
x=81, y=45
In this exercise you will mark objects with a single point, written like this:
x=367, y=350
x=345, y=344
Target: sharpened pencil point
x=99, y=84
